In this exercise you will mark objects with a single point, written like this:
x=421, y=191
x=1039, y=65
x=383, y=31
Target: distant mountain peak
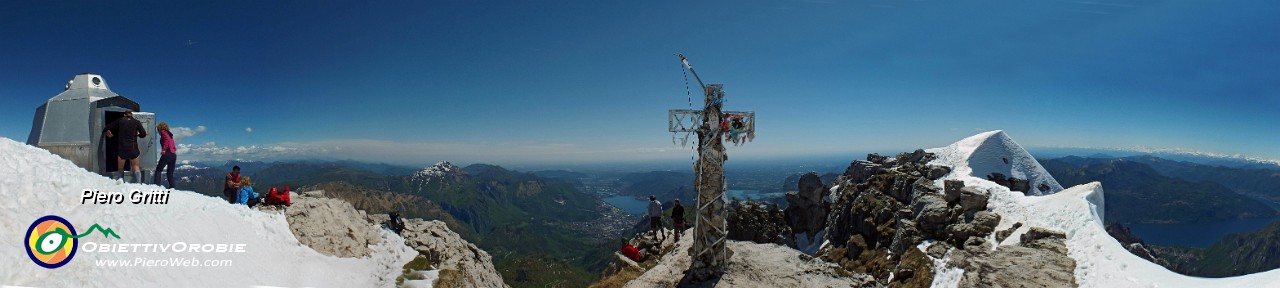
x=441, y=171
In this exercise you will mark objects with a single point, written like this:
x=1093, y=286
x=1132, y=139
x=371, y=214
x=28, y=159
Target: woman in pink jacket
x=168, y=154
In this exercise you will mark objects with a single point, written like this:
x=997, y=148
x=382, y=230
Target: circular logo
x=50, y=242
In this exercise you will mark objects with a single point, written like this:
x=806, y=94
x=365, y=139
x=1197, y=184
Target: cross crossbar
x=685, y=120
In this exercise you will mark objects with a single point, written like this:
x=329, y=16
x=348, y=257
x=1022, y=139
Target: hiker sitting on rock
x=245, y=194
x=630, y=251
x=395, y=223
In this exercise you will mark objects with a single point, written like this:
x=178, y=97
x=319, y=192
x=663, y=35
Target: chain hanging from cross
x=710, y=251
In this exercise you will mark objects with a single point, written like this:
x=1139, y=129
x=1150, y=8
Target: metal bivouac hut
x=70, y=125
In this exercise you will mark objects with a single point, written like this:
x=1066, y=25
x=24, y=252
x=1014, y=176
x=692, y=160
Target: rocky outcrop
x=1039, y=260
x=447, y=251
x=884, y=206
x=806, y=208
x=759, y=223
x=1015, y=184
x=334, y=227
x=330, y=226
x=861, y=170
x=1136, y=245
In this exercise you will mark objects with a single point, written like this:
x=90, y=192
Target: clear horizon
x=518, y=83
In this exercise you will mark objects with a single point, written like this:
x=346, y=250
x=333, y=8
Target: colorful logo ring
x=51, y=242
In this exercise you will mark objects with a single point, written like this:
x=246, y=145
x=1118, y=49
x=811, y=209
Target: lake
x=1195, y=234
x=751, y=194
x=629, y=204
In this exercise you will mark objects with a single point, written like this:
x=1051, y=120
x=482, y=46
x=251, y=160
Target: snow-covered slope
x=994, y=152
x=1100, y=260
x=35, y=183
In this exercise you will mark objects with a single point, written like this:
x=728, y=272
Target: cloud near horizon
x=416, y=153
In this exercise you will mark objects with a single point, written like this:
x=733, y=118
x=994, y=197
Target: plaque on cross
x=712, y=126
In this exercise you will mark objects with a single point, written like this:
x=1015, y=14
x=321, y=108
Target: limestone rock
x=1037, y=233
x=1002, y=234
x=806, y=209
x=331, y=226
x=1015, y=184
x=860, y=170
x=1018, y=266
x=448, y=251
x=974, y=199
x=952, y=190
x=937, y=172
x=760, y=223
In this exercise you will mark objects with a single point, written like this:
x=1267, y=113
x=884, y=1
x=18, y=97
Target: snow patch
x=38, y=183
x=994, y=152
x=428, y=279
x=1100, y=260
x=806, y=247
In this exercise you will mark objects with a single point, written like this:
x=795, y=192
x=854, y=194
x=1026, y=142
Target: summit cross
x=710, y=254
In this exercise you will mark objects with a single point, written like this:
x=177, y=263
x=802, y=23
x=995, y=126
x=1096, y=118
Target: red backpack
x=276, y=197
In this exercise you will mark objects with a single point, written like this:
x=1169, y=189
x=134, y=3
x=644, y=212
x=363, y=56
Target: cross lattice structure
x=713, y=126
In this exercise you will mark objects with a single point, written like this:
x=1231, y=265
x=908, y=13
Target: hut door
x=109, y=144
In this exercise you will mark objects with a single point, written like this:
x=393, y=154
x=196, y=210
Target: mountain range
x=1139, y=193
x=539, y=231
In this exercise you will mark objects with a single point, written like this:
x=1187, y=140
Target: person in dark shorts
x=655, y=216
x=130, y=130
x=677, y=217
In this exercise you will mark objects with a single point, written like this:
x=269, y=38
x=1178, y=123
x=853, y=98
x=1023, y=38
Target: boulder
x=985, y=222
x=916, y=157
x=1002, y=234
x=974, y=199
x=1017, y=266
x=877, y=158
x=931, y=214
x=938, y=249
x=1015, y=184
x=902, y=188
x=449, y=252
x=860, y=170
x=952, y=190
x=806, y=208
x=331, y=226
x=937, y=172
x=1037, y=233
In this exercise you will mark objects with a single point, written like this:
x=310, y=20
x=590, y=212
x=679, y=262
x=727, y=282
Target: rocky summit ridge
x=916, y=219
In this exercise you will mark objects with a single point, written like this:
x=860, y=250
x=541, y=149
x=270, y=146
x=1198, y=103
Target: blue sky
x=585, y=81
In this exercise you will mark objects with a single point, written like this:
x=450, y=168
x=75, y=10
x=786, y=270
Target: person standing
x=168, y=154
x=677, y=217
x=231, y=187
x=655, y=216
x=127, y=148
